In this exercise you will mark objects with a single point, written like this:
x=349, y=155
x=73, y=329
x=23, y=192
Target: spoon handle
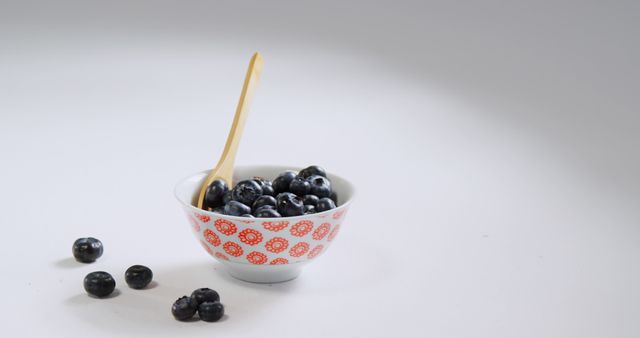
x=224, y=168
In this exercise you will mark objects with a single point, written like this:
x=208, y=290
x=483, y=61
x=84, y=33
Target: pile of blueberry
x=101, y=284
x=204, y=301
x=290, y=194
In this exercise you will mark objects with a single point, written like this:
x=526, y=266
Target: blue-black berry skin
x=87, y=250
x=320, y=186
x=264, y=200
x=299, y=186
x=334, y=197
x=267, y=189
x=215, y=192
x=99, y=284
x=309, y=209
x=184, y=308
x=266, y=185
x=235, y=208
x=260, y=180
x=311, y=171
x=246, y=192
x=202, y=295
x=289, y=205
x=226, y=198
x=211, y=311
x=267, y=212
x=310, y=200
x=138, y=276
x=281, y=183
x=325, y=204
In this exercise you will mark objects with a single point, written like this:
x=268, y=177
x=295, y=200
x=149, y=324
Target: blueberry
x=334, y=197
x=99, y=284
x=267, y=212
x=325, y=204
x=289, y=204
x=211, y=311
x=218, y=210
x=202, y=295
x=87, y=250
x=267, y=189
x=247, y=215
x=226, y=198
x=299, y=186
x=310, y=200
x=264, y=200
x=309, y=209
x=320, y=186
x=281, y=183
x=235, y=208
x=184, y=308
x=264, y=207
x=138, y=276
x=215, y=193
x=260, y=180
x=311, y=171
x=246, y=192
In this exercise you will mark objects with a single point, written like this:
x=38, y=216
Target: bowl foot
x=264, y=275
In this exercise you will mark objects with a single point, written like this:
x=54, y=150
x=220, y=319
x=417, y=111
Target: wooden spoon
x=224, y=168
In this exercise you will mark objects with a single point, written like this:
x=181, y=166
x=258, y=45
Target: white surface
x=494, y=146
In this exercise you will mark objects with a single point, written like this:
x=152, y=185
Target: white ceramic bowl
x=263, y=250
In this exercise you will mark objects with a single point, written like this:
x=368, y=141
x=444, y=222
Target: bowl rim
x=268, y=219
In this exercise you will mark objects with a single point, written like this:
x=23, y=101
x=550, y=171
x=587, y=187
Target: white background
x=494, y=145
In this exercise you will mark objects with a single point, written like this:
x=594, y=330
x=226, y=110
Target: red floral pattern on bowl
x=275, y=226
x=250, y=236
x=277, y=245
x=302, y=228
x=226, y=227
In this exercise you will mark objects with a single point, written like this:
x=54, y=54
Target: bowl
x=263, y=250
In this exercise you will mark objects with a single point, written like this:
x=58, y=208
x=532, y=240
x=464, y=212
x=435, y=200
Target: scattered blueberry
x=267, y=212
x=87, y=250
x=300, y=186
x=205, y=295
x=309, y=209
x=320, y=186
x=210, y=311
x=325, y=204
x=281, y=183
x=138, y=276
x=184, y=308
x=99, y=284
x=235, y=208
x=311, y=171
x=246, y=192
x=289, y=204
x=264, y=200
x=215, y=193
